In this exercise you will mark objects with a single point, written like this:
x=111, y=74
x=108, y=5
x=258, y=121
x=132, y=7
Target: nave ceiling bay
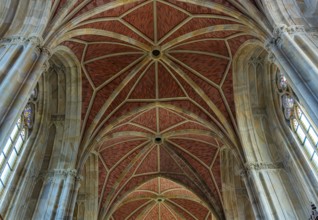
x=157, y=89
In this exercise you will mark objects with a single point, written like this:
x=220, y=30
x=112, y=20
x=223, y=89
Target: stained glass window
x=15, y=143
x=299, y=121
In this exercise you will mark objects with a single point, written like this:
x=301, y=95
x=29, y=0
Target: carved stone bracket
x=279, y=32
x=263, y=166
x=49, y=176
x=16, y=40
x=293, y=29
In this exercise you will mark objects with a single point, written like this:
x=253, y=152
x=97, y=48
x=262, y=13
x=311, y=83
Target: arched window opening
x=15, y=143
x=298, y=120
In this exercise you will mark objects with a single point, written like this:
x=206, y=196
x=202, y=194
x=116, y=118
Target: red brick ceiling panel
x=116, y=12
x=204, y=138
x=147, y=119
x=188, y=126
x=98, y=50
x=114, y=153
x=166, y=185
x=104, y=68
x=167, y=18
x=147, y=122
x=216, y=35
x=142, y=18
x=116, y=27
x=91, y=5
x=196, y=24
x=181, y=192
x=149, y=163
x=189, y=183
x=196, y=9
x=116, y=174
x=169, y=165
x=151, y=185
x=236, y=42
x=202, y=151
x=146, y=87
x=135, y=215
x=168, y=118
x=109, y=142
x=125, y=184
x=141, y=194
x=210, y=46
x=153, y=213
x=131, y=184
x=180, y=211
x=191, y=107
x=102, y=95
x=203, y=172
x=120, y=98
x=126, y=108
x=166, y=213
x=200, y=107
x=213, y=94
x=168, y=87
x=196, y=209
x=128, y=127
x=128, y=208
x=113, y=112
x=76, y=47
x=212, y=68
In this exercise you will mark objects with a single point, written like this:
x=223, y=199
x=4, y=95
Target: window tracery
x=15, y=143
x=298, y=120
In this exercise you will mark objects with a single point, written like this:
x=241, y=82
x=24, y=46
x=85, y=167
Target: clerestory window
x=298, y=120
x=13, y=148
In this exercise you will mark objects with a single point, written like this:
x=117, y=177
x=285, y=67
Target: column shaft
x=23, y=66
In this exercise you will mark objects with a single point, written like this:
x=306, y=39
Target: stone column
x=297, y=57
x=75, y=195
x=251, y=195
x=265, y=181
x=56, y=197
x=70, y=189
x=21, y=63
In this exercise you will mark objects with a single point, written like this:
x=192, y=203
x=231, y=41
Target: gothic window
x=16, y=141
x=298, y=120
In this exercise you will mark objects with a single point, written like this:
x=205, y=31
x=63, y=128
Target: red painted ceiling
x=130, y=97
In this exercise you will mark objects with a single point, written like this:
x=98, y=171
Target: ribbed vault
x=157, y=90
x=161, y=198
x=159, y=141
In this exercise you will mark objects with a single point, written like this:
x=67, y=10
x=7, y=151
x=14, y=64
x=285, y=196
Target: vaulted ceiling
x=157, y=93
x=161, y=198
